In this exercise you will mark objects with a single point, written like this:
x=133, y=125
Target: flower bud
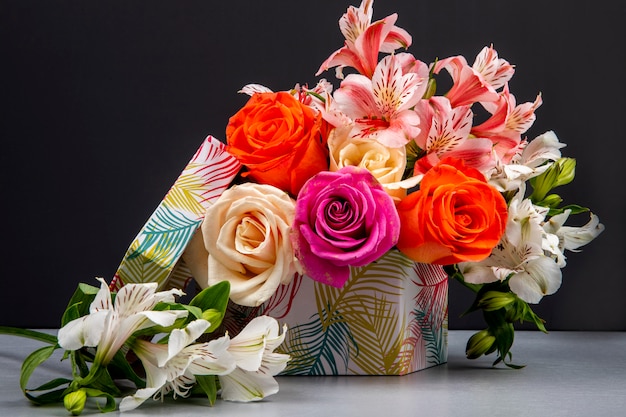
x=479, y=344
x=561, y=172
x=542, y=184
x=495, y=300
x=214, y=317
x=75, y=402
x=430, y=89
x=567, y=170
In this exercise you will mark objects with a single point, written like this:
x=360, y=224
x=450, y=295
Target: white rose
x=386, y=164
x=245, y=240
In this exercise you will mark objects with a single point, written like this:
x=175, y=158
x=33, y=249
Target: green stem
x=80, y=382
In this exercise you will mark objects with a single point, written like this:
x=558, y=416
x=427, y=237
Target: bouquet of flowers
x=335, y=179
x=326, y=181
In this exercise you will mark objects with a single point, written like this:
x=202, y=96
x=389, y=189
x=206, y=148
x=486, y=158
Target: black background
x=104, y=102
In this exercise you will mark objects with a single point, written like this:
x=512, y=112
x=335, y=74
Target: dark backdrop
x=104, y=102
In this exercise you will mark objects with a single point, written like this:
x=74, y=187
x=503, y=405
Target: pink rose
x=343, y=219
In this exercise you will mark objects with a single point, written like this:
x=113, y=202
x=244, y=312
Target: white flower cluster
x=531, y=251
x=245, y=364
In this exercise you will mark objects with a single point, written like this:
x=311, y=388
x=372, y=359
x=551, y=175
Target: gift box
x=390, y=318
x=155, y=253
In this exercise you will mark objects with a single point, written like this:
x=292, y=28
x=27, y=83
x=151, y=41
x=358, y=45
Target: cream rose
x=245, y=240
x=384, y=163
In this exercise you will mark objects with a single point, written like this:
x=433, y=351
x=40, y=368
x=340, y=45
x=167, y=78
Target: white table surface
x=567, y=374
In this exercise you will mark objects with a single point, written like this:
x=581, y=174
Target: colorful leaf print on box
x=390, y=318
x=154, y=254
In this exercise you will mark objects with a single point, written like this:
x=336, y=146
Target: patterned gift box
x=155, y=253
x=389, y=319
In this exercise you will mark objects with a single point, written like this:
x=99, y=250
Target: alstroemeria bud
x=214, y=317
x=430, y=89
x=567, y=171
x=479, y=344
x=542, y=184
x=561, y=172
x=75, y=402
x=495, y=300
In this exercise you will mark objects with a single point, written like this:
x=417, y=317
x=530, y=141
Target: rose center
x=463, y=219
x=341, y=225
x=250, y=234
x=339, y=214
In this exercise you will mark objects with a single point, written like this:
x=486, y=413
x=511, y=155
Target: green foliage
x=561, y=172
x=501, y=309
x=213, y=301
x=78, y=305
x=208, y=385
x=120, y=365
x=29, y=365
x=31, y=334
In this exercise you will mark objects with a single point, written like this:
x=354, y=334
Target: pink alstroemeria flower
x=381, y=108
x=495, y=71
x=446, y=132
x=365, y=40
x=479, y=82
x=507, y=123
x=343, y=218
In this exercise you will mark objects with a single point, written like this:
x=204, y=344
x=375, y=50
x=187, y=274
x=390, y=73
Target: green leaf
x=29, y=365
x=32, y=361
x=72, y=312
x=105, y=383
x=47, y=398
x=57, y=382
x=208, y=385
x=110, y=400
x=195, y=311
x=214, y=298
x=79, y=363
x=121, y=363
x=527, y=314
x=78, y=305
x=31, y=334
x=214, y=317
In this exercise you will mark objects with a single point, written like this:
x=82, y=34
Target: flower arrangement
x=387, y=162
x=333, y=180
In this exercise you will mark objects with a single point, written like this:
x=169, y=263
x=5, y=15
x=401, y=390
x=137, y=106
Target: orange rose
x=279, y=140
x=456, y=216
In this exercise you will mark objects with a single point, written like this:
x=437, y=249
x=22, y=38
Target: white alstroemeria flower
x=552, y=247
x=108, y=326
x=520, y=256
x=531, y=161
x=524, y=220
x=535, y=278
x=570, y=237
x=173, y=366
x=257, y=363
x=532, y=274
